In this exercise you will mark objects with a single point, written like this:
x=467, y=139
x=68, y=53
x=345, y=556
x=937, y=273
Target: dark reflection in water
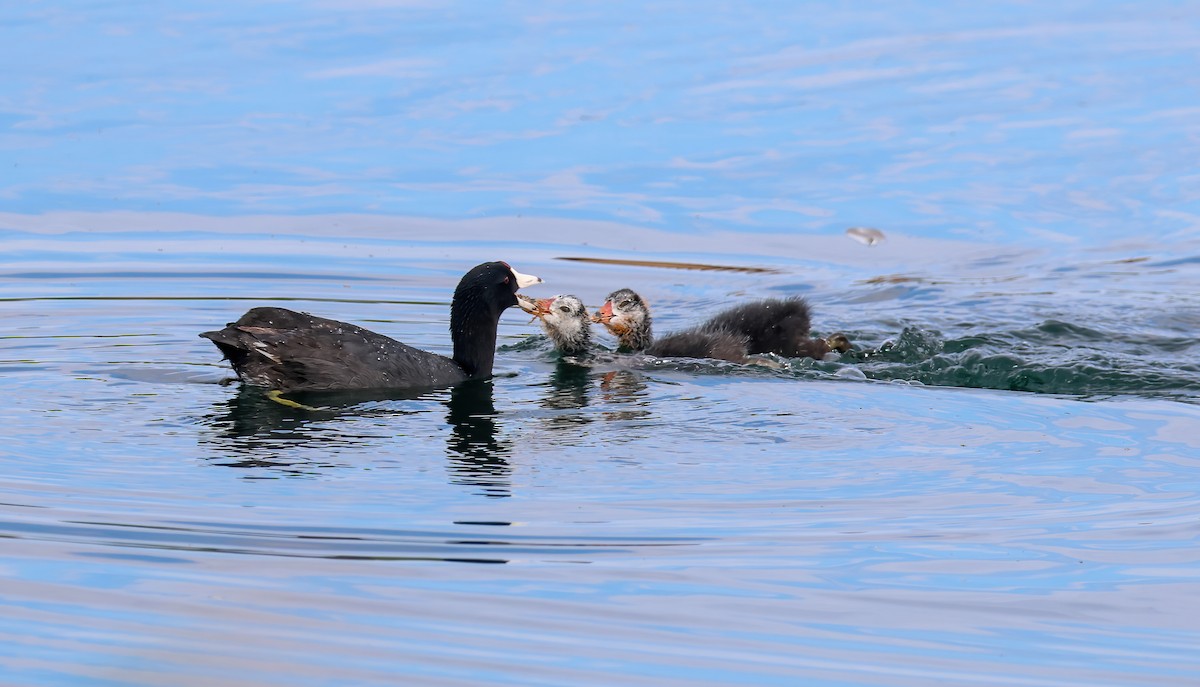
x=627, y=390
x=253, y=431
x=476, y=456
x=571, y=386
x=568, y=389
x=568, y=386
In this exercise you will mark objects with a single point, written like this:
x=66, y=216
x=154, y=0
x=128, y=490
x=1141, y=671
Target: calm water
x=998, y=488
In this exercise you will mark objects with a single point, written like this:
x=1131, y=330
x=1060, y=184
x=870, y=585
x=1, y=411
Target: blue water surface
x=1006, y=122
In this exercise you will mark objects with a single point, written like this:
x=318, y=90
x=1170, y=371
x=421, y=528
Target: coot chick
x=294, y=351
x=626, y=315
x=564, y=319
x=778, y=325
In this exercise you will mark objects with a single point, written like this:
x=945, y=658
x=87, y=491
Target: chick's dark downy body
x=777, y=325
x=627, y=315
x=773, y=325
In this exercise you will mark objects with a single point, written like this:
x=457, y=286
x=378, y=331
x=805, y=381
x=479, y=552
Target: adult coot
x=778, y=325
x=564, y=319
x=627, y=316
x=294, y=351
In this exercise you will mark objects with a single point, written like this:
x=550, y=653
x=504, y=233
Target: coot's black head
x=482, y=294
x=494, y=284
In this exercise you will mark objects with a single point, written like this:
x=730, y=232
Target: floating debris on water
x=895, y=279
x=865, y=235
x=672, y=265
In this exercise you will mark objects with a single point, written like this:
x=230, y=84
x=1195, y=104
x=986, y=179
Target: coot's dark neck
x=473, y=323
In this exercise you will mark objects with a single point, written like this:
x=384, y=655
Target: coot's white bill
x=524, y=280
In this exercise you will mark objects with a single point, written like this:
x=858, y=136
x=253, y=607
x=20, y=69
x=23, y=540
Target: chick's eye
x=624, y=304
x=563, y=308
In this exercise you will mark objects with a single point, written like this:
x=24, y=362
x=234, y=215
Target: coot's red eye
x=506, y=280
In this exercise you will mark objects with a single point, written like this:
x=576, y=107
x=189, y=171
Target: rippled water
x=643, y=522
x=998, y=487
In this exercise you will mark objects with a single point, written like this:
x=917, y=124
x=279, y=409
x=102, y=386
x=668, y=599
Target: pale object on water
x=866, y=235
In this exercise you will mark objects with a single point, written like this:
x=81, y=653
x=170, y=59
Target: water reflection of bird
x=477, y=456
x=772, y=325
x=625, y=392
x=568, y=392
x=568, y=387
x=250, y=430
x=287, y=350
